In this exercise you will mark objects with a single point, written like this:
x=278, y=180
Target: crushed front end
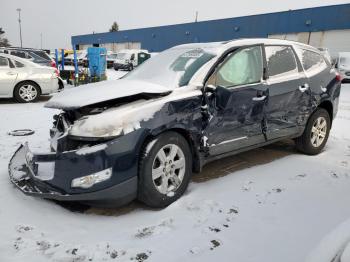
x=93, y=172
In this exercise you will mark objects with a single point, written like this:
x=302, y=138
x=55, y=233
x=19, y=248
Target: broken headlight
x=87, y=130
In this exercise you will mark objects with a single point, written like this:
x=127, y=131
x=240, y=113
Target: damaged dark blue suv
x=142, y=136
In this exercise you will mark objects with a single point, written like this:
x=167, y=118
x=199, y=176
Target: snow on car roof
x=220, y=46
x=21, y=60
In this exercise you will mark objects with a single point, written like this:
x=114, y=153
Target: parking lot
x=268, y=204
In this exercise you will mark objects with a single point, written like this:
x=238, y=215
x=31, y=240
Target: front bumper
x=118, y=66
x=50, y=175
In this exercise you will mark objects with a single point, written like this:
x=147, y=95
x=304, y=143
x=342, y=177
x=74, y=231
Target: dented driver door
x=236, y=99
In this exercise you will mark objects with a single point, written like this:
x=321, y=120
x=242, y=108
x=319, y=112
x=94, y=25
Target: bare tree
x=3, y=41
x=115, y=27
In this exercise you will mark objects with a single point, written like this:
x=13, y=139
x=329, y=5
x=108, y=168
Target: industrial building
x=327, y=26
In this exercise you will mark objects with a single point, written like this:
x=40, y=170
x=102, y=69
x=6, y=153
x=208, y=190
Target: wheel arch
x=196, y=160
x=328, y=106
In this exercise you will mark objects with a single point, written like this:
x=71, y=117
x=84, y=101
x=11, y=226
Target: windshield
x=42, y=54
x=122, y=56
x=174, y=67
x=112, y=56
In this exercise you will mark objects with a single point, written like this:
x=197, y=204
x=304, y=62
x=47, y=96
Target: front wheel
x=316, y=133
x=165, y=170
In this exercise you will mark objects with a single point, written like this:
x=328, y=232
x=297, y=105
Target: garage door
x=335, y=40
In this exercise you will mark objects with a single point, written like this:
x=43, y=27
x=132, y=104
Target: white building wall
x=335, y=40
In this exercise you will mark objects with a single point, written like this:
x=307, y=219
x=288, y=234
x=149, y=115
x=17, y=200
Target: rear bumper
x=50, y=86
x=50, y=175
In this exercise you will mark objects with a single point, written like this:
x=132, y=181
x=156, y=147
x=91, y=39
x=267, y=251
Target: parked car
x=24, y=80
x=142, y=136
x=81, y=55
x=130, y=58
x=343, y=65
x=37, y=56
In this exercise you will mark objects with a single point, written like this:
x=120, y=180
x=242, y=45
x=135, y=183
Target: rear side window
x=4, y=62
x=280, y=61
x=18, y=64
x=311, y=61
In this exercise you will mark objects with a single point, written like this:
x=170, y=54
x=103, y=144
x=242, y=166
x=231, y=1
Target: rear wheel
x=316, y=133
x=165, y=170
x=27, y=92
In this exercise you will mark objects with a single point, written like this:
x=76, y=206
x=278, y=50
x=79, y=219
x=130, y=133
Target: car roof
x=21, y=60
x=24, y=49
x=221, y=46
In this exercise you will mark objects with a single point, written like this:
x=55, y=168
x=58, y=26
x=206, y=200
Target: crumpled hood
x=85, y=95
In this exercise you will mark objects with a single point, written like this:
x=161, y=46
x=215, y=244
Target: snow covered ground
x=278, y=205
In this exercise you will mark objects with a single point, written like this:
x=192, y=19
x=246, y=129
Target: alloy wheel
x=318, y=131
x=168, y=169
x=28, y=92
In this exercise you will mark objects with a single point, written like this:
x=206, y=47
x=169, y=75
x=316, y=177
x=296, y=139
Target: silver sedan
x=24, y=80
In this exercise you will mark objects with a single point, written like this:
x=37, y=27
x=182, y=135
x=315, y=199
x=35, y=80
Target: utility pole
x=41, y=40
x=196, y=17
x=20, y=27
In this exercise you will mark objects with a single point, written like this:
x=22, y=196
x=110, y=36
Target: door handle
x=304, y=87
x=11, y=73
x=259, y=98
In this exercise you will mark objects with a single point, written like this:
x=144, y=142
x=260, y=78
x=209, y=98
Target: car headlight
x=90, y=180
x=86, y=129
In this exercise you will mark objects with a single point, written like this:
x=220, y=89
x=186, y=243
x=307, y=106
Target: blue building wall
x=156, y=39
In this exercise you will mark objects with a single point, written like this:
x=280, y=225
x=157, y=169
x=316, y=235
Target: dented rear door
x=289, y=94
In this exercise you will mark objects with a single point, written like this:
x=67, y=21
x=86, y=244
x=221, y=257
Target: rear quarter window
x=312, y=62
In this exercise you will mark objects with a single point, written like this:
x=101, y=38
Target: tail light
x=53, y=63
x=338, y=77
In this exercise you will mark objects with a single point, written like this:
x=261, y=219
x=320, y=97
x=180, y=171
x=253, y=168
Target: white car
x=128, y=59
x=343, y=65
x=24, y=80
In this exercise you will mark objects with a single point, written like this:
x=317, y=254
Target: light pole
x=19, y=21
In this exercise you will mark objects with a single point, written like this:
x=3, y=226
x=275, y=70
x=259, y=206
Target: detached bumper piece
x=47, y=176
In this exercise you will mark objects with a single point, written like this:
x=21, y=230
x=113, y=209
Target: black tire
x=17, y=91
x=303, y=143
x=147, y=191
x=131, y=67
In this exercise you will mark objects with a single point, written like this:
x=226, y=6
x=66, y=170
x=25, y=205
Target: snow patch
x=90, y=150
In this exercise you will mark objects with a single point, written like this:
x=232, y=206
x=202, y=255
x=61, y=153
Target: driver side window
x=242, y=67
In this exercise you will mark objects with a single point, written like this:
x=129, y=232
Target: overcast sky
x=59, y=20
